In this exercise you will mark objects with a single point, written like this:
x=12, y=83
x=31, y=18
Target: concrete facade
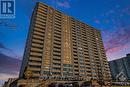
x=63, y=47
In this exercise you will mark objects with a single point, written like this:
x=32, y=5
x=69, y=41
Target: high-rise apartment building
x=120, y=65
x=63, y=46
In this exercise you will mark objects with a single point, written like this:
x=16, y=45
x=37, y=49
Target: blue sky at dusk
x=112, y=17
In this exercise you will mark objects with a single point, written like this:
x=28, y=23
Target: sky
x=111, y=17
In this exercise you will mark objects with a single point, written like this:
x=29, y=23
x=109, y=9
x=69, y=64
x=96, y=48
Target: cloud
x=62, y=3
x=4, y=76
x=110, y=12
x=8, y=52
x=117, y=13
x=118, y=48
x=2, y=46
x=119, y=40
x=117, y=36
x=97, y=21
x=9, y=67
x=126, y=10
x=9, y=64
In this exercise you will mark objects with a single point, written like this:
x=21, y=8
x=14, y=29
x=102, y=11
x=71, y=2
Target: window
x=56, y=68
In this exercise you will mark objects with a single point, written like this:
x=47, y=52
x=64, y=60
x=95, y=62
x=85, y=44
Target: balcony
x=87, y=62
x=40, y=17
x=39, y=33
x=40, y=26
x=37, y=45
x=58, y=66
x=37, y=41
x=34, y=69
x=55, y=61
x=41, y=23
x=42, y=12
x=38, y=37
x=36, y=59
x=58, y=46
x=36, y=54
x=36, y=74
x=32, y=63
x=42, y=6
x=39, y=30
